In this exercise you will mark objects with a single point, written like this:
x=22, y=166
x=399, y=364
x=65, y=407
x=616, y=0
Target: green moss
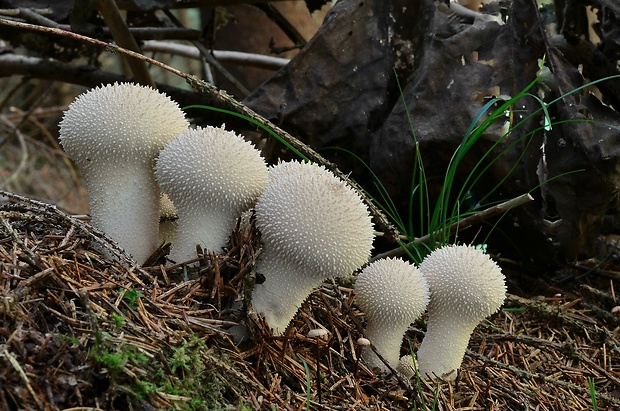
x=195, y=379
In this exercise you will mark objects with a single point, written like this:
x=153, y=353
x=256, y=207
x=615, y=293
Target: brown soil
x=79, y=331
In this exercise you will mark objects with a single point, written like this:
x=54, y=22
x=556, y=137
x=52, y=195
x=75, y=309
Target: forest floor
x=79, y=331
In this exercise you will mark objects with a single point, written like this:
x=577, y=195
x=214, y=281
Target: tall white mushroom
x=211, y=175
x=466, y=287
x=392, y=293
x=313, y=226
x=113, y=133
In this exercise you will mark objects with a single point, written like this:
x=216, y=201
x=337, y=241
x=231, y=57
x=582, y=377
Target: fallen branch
x=220, y=97
x=235, y=57
x=121, y=34
x=460, y=225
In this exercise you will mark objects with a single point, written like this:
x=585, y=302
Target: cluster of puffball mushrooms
x=141, y=160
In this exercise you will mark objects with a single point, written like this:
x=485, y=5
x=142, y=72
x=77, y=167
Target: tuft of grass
x=115, y=357
x=119, y=320
x=191, y=377
x=195, y=379
x=243, y=406
x=457, y=202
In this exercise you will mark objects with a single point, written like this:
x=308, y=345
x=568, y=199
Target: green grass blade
x=308, y=383
x=386, y=204
x=592, y=388
x=252, y=121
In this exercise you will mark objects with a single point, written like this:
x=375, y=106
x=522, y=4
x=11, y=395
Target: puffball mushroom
x=392, y=293
x=167, y=220
x=313, y=226
x=466, y=287
x=407, y=366
x=211, y=175
x=113, y=133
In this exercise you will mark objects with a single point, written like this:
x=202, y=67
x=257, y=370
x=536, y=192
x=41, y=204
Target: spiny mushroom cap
x=167, y=210
x=391, y=291
x=211, y=165
x=119, y=123
x=308, y=215
x=407, y=366
x=465, y=284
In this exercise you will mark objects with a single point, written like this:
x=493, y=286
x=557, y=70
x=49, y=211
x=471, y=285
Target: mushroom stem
x=113, y=133
x=211, y=175
x=168, y=216
x=453, y=336
x=387, y=340
x=209, y=228
x=288, y=286
x=126, y=194
x=313, y=226
x=392, y=294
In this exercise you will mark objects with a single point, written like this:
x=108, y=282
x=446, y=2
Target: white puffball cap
x=407, y=366
x=391, y=291
x=465, y=284
x=119, y=123
x=309, y=216
x=211, y=165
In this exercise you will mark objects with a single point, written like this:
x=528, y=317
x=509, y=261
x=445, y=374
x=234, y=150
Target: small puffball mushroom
x=466, y=287
x=113, y=133
x=363, y=342
x=167, y=220
x=211, y=175
x=318, y=333
x=407, y=366
x=313, y=226
x=392, y=294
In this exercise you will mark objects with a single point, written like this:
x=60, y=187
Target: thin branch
x=276, y=16
x=17, y=12
x=85, y=75
x=131, y=5
x=35, y=17
x=236, y=57
x=157, y=33
x=206, y=54
x=460, y=225
x=222, y=98
x=113, y=19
